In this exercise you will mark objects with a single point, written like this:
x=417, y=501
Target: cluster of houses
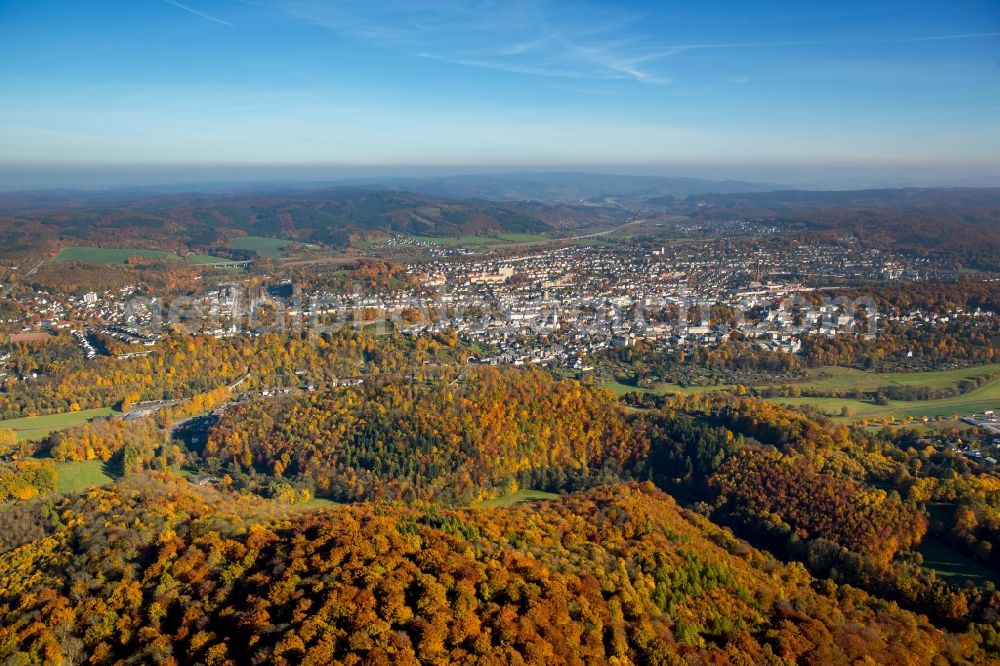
x=552, y=303
x=581, y=299
x=88, y=349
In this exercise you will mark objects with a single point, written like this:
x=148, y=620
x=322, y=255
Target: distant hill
x=543, y=186
x=985, y=197
x=961, y=225
x=566, y=186
x=333, y=216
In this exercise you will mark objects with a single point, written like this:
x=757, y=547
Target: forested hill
x=915, y=197
x=154, y=570
x=960, y=226
x=333, y=216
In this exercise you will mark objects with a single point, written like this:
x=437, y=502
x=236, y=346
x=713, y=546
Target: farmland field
x=456, y=241
x=619, y=388
x=270, y=248
x=522, y=238
x=121, y=255
x=110, y=255
x=847, y=379
x=837, y=378
x=591, y=241
x=207, y=259
x=453, y=240
x=36, y=427
x=981, y=399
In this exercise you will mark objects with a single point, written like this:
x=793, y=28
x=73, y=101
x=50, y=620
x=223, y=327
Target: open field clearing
x=849, y=379
x=76, y=477
x=111, y=255
x=511, y=499
x=336, y=260
x=36, y=427
x=121, y=255
x=952, y=564
x=522, y=238
x=594, y=240
x=207, y=259
x=846, y=379
x=619, y=388
x=454, y=241
x=317, y=503
x=458, y=241
x=270, y=248
x=981, y=399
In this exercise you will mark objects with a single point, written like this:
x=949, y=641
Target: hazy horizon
x=199, y=176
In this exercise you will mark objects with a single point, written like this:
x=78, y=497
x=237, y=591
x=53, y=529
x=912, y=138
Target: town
x=554, y=304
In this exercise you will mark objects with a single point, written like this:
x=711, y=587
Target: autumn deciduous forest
x=702, y=528
x=466, y=440
x=618, y=574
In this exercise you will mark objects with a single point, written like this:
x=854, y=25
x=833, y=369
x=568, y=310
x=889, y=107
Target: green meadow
x=591, y=241
x=36, y=427
x=952, y=564
x=110, y=255
x=207, y=259
x=75, y=477
x=459, y=241
x=522, y=238
x=620, y=388
x=846, y=379
x=850, y=379
x=317, y=503
x=511, y=499
x=270, y=248
x=121, y=255
x=979, y=400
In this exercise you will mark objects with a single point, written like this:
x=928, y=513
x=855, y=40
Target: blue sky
x=504, y=84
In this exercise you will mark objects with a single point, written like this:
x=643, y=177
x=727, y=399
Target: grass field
x=952, y=564
x=110, y=255
x=75, y=477
x=522, y=238
x=836, y=378
x=594, y=240
x=453, y=241
x=457, y=241
x=120, y=255
x=270, y=248
x=36, y=427
x=618, y=388
x=317, y=503
x=983, y=398
x=846, y=379
x=207, y=259
x=511, y=499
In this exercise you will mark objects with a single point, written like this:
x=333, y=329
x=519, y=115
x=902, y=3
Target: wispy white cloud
x=562, y=58
x=938, y=38
x=198, y=13
x=828, y=42
x=519, y=36
x=512, y=67
x=532, y=37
